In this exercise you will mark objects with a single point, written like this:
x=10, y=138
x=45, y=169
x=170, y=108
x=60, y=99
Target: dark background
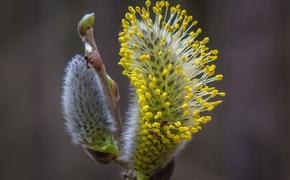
x=248, y=139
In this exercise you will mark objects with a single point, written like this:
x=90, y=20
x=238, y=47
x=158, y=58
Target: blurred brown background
x=248, y=140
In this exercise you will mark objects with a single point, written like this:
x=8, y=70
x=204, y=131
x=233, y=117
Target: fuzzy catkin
x=87, y=117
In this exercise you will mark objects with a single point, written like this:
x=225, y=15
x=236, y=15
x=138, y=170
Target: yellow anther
x=186, y=112
x=128, y=16
x=205, y=40
x=149, y=125
x=150, y=77
x=156, y=10
x=222, y=94
x=177, y=124
x=147, y=95
x=138, y=9
x=139, y=34
x=131, y=10
x=177, y=139
x=184, y=25
x=124, y=21
x=145, y=108
x=121, y=34
x=178, y=69
x=214, y=93
x=149, y=115
x=186, y=137
x=159, y=114
x=186, y=98
x=185, y=106
x=183, y=12
x=188, y=89
x=135, y=46
x=145, y=132
x=167, y=104
x=157, y=4
x=194, y=130
x=157, y=125
x=131, y=33
x=195, y=113
x=164, y=24
x=212, y=67
x=143, y=10
x=165, y=72
x=164, y=94
x=169, y=134
x=213, y=58
x=123, y=39
x=215, y=52
x=170, y=29
x=166, y=3
x=139, y=91
x=162, y=3
x=207, y=118
x=144, y=57
x=183, y=58
x=192, y=33
x=217, y=102
x=183, y=129
x=157, y=91
x=148, y=3
x=163, y=42
x=219, y=77
x=194, y=46
x=171, y=126
x=210, y=108
x=176, y=26
x=142, y=99
x=159, y=53
x=173, y=10
x=198, y=126
x=198, y=31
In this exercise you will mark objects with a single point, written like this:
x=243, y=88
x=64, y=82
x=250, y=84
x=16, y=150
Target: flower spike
x=170, y=69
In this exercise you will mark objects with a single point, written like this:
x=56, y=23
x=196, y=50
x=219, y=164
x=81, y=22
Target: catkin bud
x=87, y=117
x=86, y=23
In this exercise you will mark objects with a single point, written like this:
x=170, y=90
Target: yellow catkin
x=172, y=90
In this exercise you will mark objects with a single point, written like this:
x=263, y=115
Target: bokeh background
x=248, y=139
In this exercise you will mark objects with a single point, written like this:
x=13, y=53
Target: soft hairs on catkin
x=84, y=103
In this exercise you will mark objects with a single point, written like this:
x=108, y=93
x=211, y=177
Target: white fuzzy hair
x=129, y=133
x=84, y=104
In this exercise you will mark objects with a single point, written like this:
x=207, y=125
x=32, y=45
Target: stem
x=110, y=88
x=141, y=177
x=162, y=174
x=165, y=173
x=93, y=57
